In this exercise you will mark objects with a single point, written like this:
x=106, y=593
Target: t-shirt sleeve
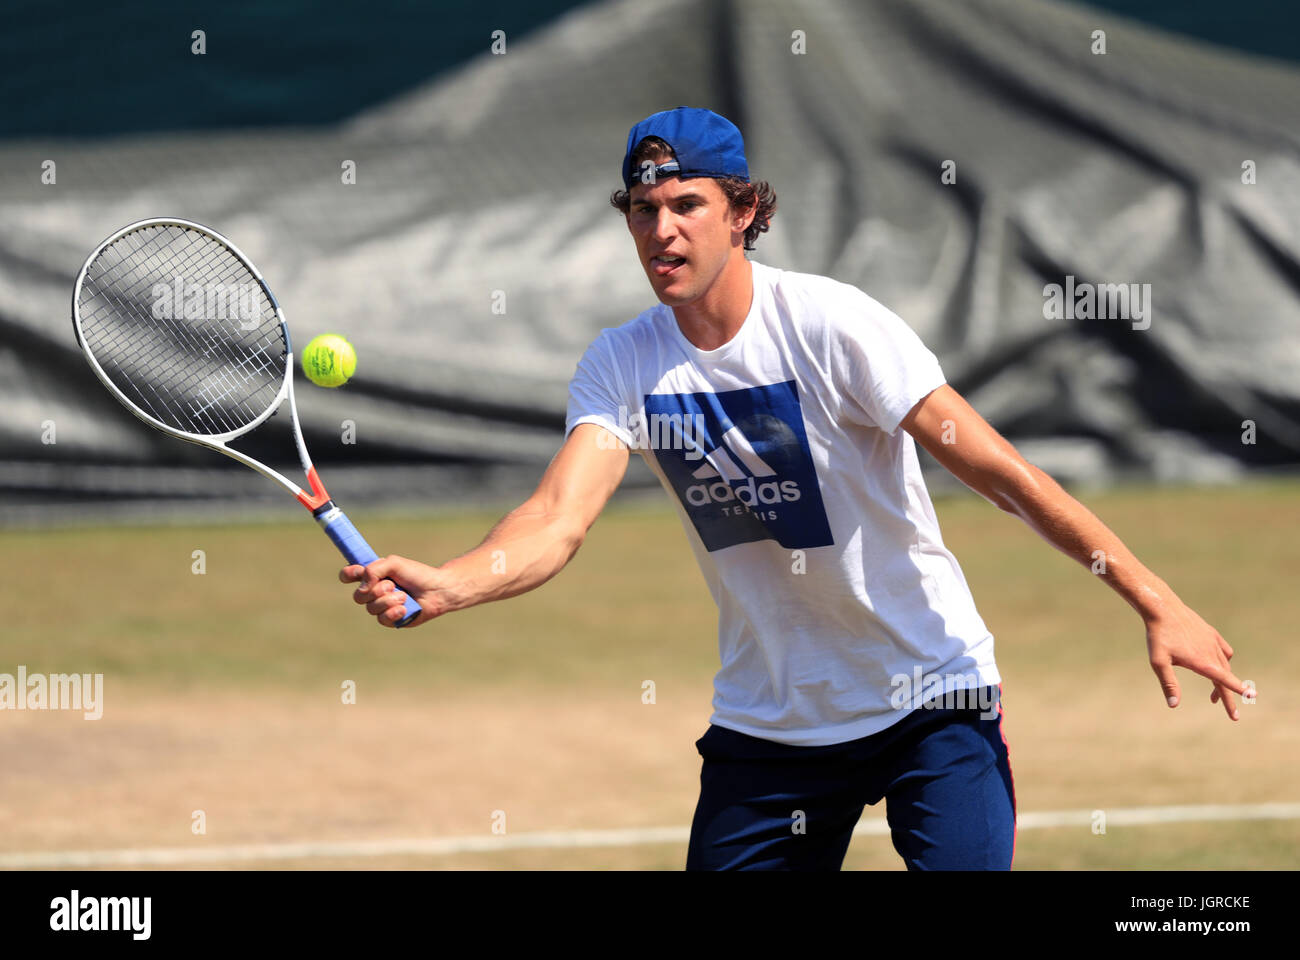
x=881, y=366
x=596, y=392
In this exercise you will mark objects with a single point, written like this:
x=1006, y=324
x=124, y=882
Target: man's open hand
x=1178, y=637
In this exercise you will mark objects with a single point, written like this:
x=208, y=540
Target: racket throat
x=318, y=500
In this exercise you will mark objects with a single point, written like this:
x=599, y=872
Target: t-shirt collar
x=725, y=350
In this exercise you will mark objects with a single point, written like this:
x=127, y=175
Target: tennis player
x=781, y=411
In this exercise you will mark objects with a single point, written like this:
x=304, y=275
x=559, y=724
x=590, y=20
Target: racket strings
x=130, y=272
x=183, y=329
x=209, y=407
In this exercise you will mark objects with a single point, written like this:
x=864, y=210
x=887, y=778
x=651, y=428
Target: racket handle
x=354, y=548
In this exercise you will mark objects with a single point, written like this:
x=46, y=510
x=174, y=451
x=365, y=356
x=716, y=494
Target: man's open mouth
x=665, y=264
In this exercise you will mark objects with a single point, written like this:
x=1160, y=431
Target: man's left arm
x=986, y=462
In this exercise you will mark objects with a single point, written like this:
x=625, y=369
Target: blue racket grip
x=353, y=546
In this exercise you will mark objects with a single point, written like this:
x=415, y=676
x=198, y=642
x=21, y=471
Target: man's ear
x=741, y=220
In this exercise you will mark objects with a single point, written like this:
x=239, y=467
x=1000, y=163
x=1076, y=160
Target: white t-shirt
x=839, y=607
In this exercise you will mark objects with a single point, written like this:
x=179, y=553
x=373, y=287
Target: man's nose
x=665, y=224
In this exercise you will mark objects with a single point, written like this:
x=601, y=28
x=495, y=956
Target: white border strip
x=570, y=839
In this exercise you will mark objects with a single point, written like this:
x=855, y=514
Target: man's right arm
x=529, y=546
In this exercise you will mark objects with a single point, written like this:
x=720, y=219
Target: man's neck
x=716, y=317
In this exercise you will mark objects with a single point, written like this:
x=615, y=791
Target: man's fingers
x=377, y=588
x=1225, y=684
x=396, y=612
x=384, y=603
x=389, y=608
x=1226, y=679
x=385, y=568
x=1196, y=646
x=1229, y=705
x=1168, y=682
x=377, y=598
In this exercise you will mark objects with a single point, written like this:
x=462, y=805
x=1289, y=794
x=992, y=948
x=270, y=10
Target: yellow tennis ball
x=329, y=360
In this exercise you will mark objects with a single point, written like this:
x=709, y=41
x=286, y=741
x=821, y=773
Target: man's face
x=685, y=231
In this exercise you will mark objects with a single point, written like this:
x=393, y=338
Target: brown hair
x=740, y=194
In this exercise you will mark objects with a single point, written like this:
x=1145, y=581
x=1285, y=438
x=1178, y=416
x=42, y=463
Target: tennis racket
x=179, y=325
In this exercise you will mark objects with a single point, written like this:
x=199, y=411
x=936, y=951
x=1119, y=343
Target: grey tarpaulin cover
x=488, y=189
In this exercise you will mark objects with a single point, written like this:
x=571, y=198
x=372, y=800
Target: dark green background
x=81, y=68
x=84, y=68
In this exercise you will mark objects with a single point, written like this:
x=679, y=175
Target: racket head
x=179, y=325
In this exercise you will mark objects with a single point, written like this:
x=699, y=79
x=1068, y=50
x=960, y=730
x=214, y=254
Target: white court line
x=569, y=839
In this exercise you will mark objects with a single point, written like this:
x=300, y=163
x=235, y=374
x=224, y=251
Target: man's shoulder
x=619, y=344
x=649, y=322
x=817, y=299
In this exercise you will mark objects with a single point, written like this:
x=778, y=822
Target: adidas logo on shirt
x=750, y=492
x=757, y=480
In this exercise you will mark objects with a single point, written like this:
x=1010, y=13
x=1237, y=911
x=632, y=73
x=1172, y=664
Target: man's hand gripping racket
x=182, y=329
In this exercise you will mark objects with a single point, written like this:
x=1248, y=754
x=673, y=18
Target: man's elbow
x=1016, y=488
x=1006, y=482
x=574, y=536
x=570, y=532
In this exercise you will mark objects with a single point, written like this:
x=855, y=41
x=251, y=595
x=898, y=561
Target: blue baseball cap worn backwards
x=705, y=144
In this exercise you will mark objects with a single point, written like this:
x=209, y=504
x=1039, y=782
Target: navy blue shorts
x=943, y=773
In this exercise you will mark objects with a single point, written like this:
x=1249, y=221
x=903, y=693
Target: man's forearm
x=1176, y=635
x=525, y=549
x=1077, y=532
